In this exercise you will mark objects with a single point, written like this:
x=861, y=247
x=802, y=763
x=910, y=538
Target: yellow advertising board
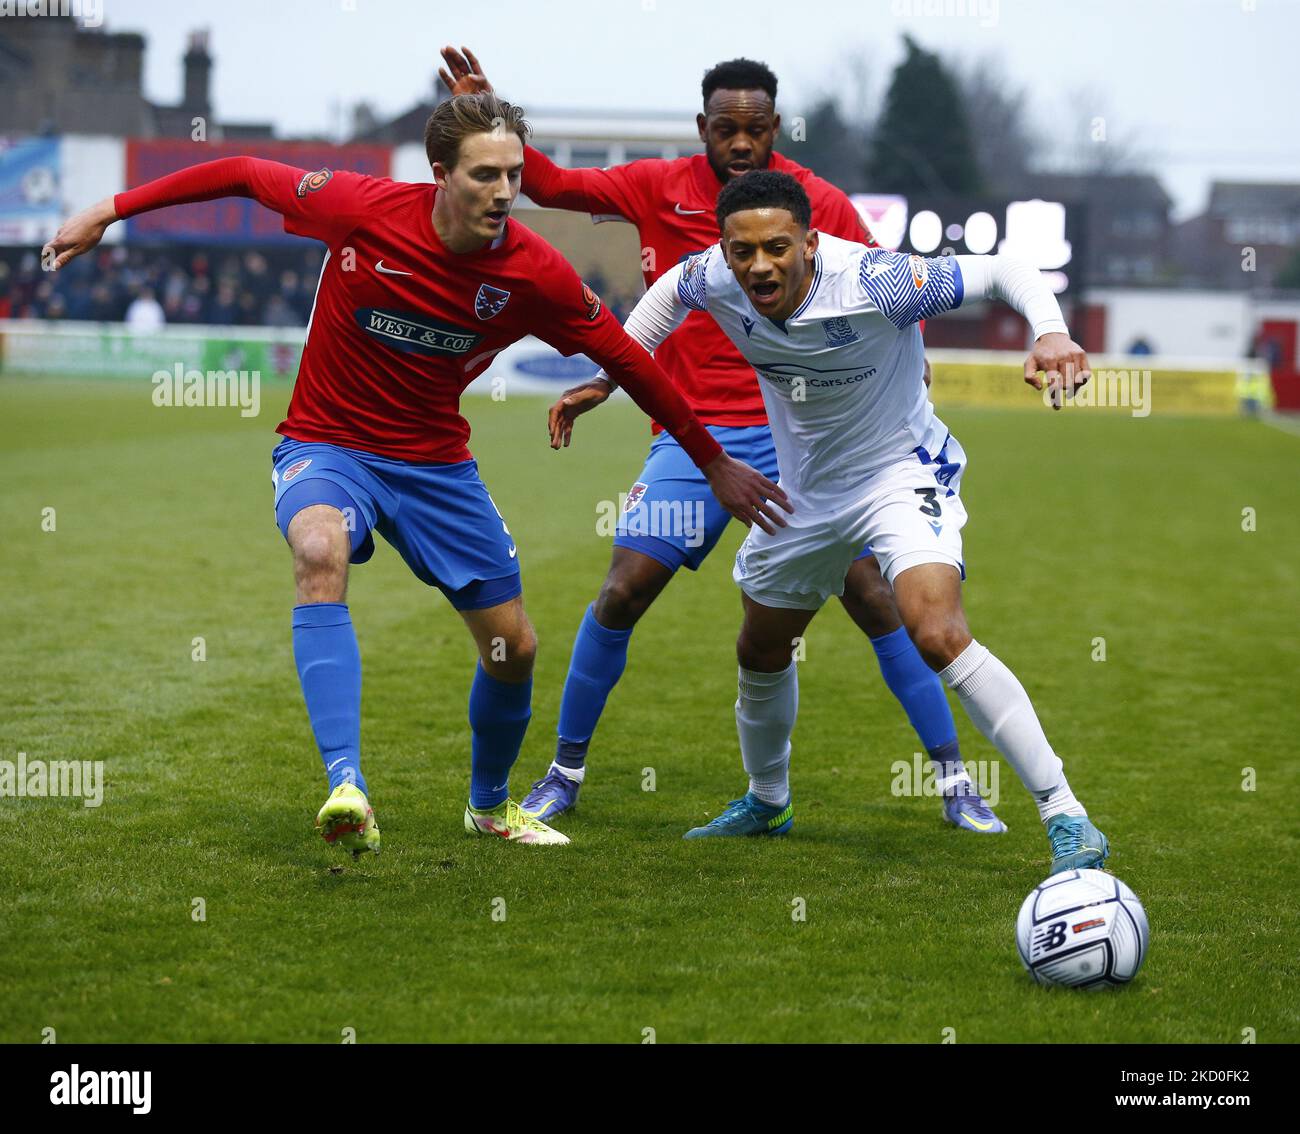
x=1134, y=384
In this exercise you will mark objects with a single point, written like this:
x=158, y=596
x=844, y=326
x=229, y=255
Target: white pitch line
x=1287, y=423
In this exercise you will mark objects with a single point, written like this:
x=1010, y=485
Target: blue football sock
x=498, y=717
x=598, y=659
x=947, y=762
x=329, y=668
x=920, y=692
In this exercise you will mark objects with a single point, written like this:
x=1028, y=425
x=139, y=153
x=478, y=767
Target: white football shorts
x=910, y=513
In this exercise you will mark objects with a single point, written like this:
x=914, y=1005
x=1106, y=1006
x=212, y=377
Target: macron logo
x=102, y=1088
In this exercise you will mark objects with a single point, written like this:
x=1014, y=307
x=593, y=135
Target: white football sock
x=765, y=711
x=575, y=774
x=1000, y=708
x=1059, y=801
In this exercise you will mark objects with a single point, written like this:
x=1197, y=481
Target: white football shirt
x=843, y=376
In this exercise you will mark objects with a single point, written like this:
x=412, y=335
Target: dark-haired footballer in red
x=672, y=205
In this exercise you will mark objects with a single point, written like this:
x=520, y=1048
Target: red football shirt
x=672, y=205
x=401, y=325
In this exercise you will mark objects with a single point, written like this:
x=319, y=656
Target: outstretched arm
x=289, y=191
x=601, y=192
x=906, y=289
x=1021, y=285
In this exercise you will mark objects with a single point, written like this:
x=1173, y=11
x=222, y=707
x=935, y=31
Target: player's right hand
x=746, y=493
x=463, y=73
x=574, y=401
x=78, y=234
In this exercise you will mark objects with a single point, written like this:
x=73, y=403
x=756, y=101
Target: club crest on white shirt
x=839, y=331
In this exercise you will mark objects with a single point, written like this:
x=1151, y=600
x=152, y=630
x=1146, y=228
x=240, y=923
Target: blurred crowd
x=149, y=286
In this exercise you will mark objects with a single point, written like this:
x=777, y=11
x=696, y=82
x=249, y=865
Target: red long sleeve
x=550, y=185
x=617, y=190
x=324, y=204
x=225, y=177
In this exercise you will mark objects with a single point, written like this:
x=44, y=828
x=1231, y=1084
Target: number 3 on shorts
x=931, y=505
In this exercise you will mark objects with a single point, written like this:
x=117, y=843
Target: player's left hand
x=1062, y=361
x=463, y=73
x=573, y=402
x=926, y=376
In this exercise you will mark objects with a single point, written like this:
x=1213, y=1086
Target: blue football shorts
x=439, y=517
x=670, y=514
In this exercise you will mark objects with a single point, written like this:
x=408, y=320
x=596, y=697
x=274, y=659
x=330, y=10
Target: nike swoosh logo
x=379, y=267
x=976, y=823
x=336, y=763
x=677, y=208
x=544, y=809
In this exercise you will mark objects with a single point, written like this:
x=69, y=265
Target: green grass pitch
x=1083, y=526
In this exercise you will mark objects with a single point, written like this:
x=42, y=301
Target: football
x=1082, y=929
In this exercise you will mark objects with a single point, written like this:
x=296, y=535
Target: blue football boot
x=1076, y=843
x=748, y=816
x=552, y=795
x=966, y=809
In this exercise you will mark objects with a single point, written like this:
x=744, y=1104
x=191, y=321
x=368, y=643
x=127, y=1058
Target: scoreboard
x=1051, y=235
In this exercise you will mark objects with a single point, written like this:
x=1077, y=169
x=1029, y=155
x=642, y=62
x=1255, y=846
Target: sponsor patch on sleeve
x=312, y=181
x=591, y=301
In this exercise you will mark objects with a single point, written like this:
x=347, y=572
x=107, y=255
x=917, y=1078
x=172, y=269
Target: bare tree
x=830, y=132
x=1007, y=143
x=1099, y=141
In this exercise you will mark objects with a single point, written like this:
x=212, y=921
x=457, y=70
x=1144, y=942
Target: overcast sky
x=1208, y=88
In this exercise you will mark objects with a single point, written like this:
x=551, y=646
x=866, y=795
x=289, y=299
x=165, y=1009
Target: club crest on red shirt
x=592, y=300
x=312, y=181
x=490, y=301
